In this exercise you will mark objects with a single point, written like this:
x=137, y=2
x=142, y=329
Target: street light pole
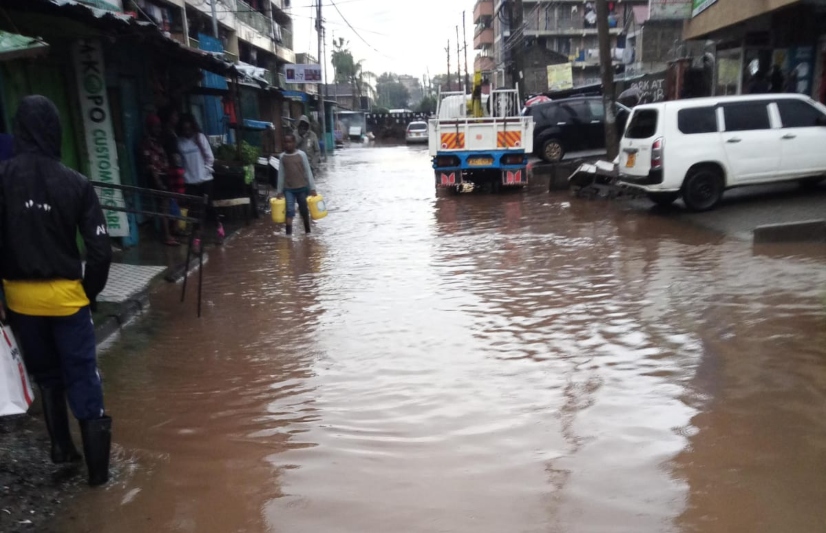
x=321, y=112
x=449, y=88
x=464, y=34
x=606, y=67
x=458, y=60
x=214, y=19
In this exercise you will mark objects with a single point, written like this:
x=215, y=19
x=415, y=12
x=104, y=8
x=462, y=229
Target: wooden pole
x=606, y=67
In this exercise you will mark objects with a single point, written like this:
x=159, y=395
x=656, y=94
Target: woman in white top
x=198, y=160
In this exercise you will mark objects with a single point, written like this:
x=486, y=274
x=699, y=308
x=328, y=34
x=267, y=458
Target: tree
x=342, y=60
x=351, y=72
x=427, y=105
x=392, y=93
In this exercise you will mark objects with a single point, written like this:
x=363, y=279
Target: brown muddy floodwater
x=475, y=364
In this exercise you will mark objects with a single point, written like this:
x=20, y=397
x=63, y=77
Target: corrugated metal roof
x=13, y=46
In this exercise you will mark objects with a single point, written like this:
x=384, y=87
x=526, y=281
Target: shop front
x=778, y=50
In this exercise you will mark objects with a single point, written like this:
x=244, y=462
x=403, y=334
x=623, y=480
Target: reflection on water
x=521, y=362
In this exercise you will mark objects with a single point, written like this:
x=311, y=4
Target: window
x=578, y=110
x=797, y=114
x=747, y=116
x=643, y=124
x=549, y=113
x=417, y=126
x=697, y=120
x=597, y=110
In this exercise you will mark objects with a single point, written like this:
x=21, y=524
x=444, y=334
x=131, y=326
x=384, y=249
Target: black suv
x=571, y=125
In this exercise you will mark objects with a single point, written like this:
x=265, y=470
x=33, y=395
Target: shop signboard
x=560, y=77
x=303, y=73
x=98, y=131
x=670, y=9
x=698, y=6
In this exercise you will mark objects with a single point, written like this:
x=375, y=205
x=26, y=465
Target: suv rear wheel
x=703, y=188
x=552, y=151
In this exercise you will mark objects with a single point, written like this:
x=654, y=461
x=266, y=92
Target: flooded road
x=516, y=363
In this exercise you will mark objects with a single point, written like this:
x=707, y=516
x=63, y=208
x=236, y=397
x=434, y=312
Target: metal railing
x=154, y=203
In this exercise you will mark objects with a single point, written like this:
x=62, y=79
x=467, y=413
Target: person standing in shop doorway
x=49, y=295
x=295, y=181
x=198, y=160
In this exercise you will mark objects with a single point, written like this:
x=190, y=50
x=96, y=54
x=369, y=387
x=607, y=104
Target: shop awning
x=252, y=74
x=114, y=24
x=13, y=46
x=298, y=96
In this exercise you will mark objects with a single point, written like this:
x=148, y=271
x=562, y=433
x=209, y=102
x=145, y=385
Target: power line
x=356, y=32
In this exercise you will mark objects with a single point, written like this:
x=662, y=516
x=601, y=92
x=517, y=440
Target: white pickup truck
x=490, y=150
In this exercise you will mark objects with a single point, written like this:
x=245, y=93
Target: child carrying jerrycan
x=296, y=184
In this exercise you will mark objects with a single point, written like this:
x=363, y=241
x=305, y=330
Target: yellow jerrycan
x=279, y=210
x=318, y=209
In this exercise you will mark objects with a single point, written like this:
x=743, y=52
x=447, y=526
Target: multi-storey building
x=559, y=30
x=255, y=32
x=483, y=38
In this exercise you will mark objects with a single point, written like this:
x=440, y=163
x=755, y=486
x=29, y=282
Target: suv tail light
x=657, y=154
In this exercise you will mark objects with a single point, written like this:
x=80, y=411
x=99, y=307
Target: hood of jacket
x=37, y=127
x=304, y=120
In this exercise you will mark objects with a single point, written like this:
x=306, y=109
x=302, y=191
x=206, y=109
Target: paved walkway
x=127, y=281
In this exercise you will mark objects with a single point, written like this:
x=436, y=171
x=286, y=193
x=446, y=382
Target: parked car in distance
x=416, y=132
x=696, y=149
x=571, y=125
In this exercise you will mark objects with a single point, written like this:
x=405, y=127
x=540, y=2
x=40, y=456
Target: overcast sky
x=402, y=36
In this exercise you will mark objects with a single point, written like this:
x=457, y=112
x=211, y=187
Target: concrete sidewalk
x=137, y=271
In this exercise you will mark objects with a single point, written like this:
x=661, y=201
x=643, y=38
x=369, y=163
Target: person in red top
x=159, y=174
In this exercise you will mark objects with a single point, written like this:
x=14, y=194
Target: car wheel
x=703, y=188
x=663, y=199
x=809, y=184
x=552, y=151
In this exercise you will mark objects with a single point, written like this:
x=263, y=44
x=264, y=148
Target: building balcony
x=484, y=64
x=483, y=39
x=482, y=10
x=253, y=18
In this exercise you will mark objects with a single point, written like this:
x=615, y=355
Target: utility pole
x=449, y=86
x=606, y=67
x=214, y=19
x=516, y=42
x=321, y=114
x=464, y=34
x=458, y=60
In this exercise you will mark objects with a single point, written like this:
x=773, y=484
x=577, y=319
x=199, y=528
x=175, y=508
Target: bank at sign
x=101, y=148
x=701, y=5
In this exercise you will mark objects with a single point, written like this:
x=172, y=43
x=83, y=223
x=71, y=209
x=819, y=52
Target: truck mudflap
x=448, y=178
x=515, y=177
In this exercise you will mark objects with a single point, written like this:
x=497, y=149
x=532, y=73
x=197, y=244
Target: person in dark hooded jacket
x=308, y=143
x=48, y=292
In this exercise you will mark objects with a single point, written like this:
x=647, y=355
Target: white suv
x=696, y=149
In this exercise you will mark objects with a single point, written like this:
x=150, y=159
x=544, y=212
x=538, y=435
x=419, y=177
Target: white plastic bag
x=16, y=393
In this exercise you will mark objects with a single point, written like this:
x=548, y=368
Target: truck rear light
x=447, y=161
x=513, y=159
x=657, y=154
